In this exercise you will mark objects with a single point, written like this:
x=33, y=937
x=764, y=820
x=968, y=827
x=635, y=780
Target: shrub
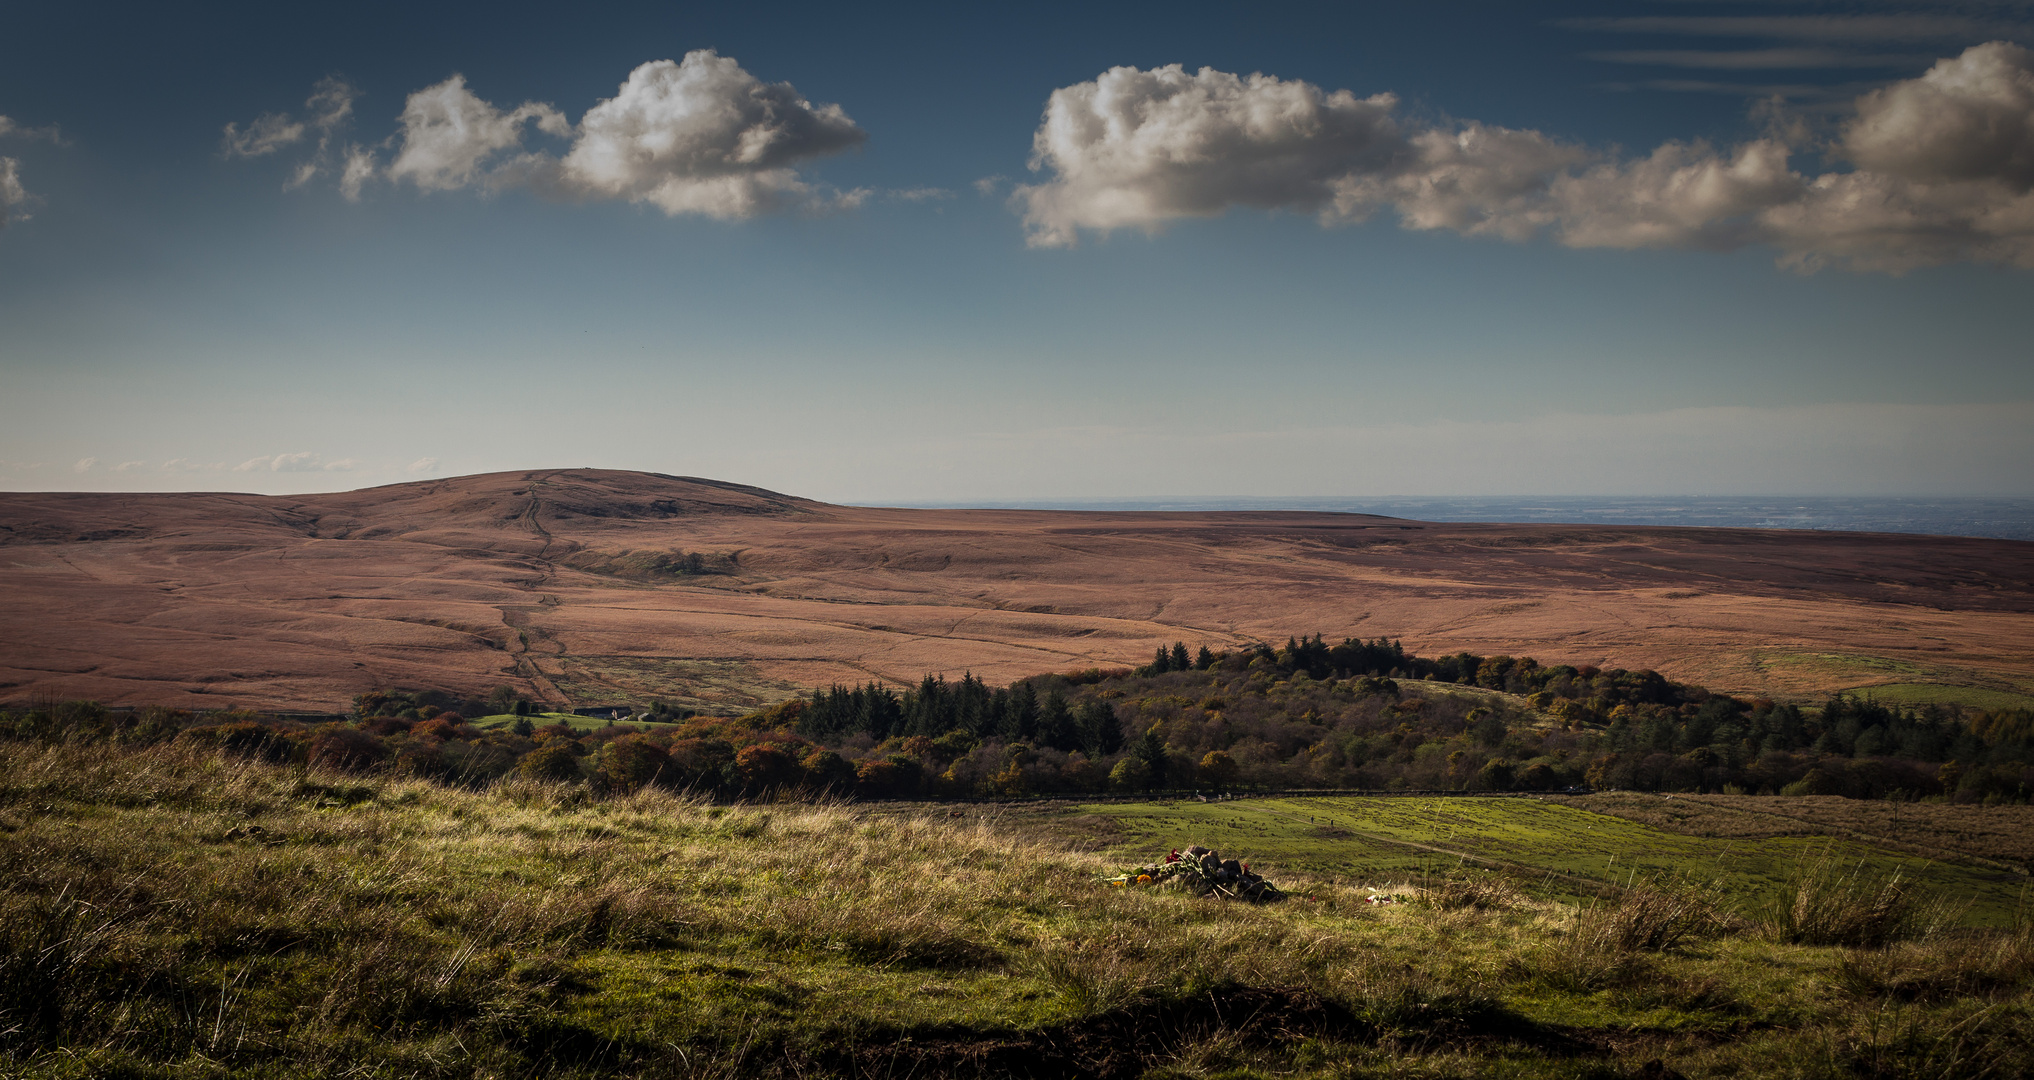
x=880, y=777
x=766, y=767
x=826, y=770
x=346, y=750
x=421, y=758
x=554, y=761
x=629, y=762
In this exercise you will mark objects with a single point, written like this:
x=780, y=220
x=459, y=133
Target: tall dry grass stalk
x=1828, y=901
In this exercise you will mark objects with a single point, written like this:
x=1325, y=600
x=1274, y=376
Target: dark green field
x=1573, y=853
x=574, y=721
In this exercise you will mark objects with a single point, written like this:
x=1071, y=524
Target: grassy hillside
x=173, y=912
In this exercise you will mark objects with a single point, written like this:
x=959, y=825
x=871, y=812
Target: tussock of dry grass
x=1829, y=902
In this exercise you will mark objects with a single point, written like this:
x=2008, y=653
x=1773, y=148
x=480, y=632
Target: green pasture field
x=1895, y=682
x=1571, y=853
x=1976, y=697
x=578, y=723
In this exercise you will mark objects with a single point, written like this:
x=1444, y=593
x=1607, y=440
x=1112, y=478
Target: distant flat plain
x=1998, y=518
x=561, y=582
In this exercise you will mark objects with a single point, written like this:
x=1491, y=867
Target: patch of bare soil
x=573, y=585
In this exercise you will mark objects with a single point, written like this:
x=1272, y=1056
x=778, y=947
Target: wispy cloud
x=1788, y=91
x=14, y=129
x=1824, y=28
x=1758, y=59
x=265, y=134
x=15, y=198
x=301, y=461
x=326, y=113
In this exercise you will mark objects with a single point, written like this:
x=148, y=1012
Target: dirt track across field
x=562, y=583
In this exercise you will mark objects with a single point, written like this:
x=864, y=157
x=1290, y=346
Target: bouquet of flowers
x=1202, y=872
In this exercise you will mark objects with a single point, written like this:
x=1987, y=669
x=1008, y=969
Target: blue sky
x=1651, y=247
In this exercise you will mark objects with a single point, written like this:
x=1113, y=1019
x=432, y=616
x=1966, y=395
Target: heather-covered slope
x=576, y=587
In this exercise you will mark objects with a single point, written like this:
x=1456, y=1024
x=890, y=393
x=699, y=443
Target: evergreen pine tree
x=1180, y=661
x=1056, y=724
x=1101, y=734
x=1021, y=721
x=1151, y=751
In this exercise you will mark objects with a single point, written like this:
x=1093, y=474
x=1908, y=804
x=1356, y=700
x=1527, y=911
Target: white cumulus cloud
x=693, y=136
x=1136, y=148
x=1970, y=118
x=424, y=465
x=703, y=136
x=85, y=465
x=1941, y=169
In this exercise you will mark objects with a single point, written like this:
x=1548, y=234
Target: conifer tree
x=1101, y=735
x=1151, y=751
x=1056, y=723
x=1020, y=722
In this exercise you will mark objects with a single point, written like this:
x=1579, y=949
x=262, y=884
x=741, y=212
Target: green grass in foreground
x=1573, y=853
x=166, y=913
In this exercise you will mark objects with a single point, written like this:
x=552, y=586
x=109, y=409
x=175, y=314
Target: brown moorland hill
x=572, y=585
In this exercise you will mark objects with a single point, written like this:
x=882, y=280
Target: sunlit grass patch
x=1559, y=850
